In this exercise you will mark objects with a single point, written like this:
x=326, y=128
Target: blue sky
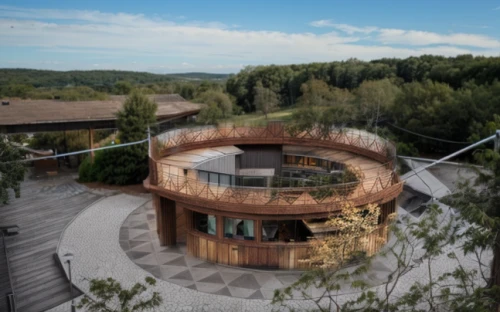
x=224, y=36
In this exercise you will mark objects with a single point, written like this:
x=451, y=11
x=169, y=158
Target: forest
x=413, y=101
x=455, y=99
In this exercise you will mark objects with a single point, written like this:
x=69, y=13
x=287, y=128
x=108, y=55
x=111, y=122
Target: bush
x=86, y=172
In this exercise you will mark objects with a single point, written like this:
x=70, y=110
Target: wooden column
x=219, y=225
x=156, y=206
x=258, y=230
x=166, y=221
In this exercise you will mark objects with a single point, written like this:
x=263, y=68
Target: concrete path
x=97, y=240
x=93, y=238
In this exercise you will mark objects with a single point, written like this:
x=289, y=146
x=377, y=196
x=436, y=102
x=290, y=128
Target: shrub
x=86, y=172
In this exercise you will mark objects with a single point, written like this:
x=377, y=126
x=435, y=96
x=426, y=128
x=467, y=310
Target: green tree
x=187, y=91
x=265, y=100
x=108, y=295
x=127, y=165
x=375, y=99
x=479, y=204
x=11, y=172
x=218, y=98
x=123, y=87
x=421, y=243
x=210, y=115
x=315, y=92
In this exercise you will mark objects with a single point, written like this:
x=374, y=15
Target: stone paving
x=96, y=239
x=139, y=240
x=93, y=238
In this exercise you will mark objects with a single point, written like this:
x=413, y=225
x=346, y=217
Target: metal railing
x=169, y=177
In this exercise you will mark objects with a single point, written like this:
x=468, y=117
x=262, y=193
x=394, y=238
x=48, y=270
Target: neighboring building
x=29, y=116
x=255, y=197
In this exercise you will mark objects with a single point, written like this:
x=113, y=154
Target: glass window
x=269, y=231
x=204, y=223
x=214, y=178
x=312, y=161
x=203, y=176
x=239, y=229
x=225, y=179
x=284, y=231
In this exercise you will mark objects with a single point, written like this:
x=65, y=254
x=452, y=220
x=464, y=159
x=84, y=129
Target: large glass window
x=284, y=231
x=204, y=223
x=238, y=229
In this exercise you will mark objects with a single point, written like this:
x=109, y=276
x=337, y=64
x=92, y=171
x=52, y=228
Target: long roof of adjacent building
x=24, y=112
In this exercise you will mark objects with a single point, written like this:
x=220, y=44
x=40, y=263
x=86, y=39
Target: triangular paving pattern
x=240, y=292
x=246, y=280
x=228, y=277
x=150, y=259
x=143, y=226
x=134, y=243
x=133, y=233
x=185, y=275
x=192, y=287
x=178, y=262
x=199, y=274
x=256, y=295
x=143, y=237
x=209, y=287
x=215, y=278
x=165, y=257
x=147, y=247
x=134, y=255
x=206, y=265
x=223, y=292
x=168, y=271
x=155, y=271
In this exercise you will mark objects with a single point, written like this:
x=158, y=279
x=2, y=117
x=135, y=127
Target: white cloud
x=349, y=29
x=497, y=8
x=105, y=38
x=414, y=37
x=421, y=38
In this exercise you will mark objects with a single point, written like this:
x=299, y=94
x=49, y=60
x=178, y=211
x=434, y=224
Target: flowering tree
x=350, y=230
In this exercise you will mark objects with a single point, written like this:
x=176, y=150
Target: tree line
x=454, y=99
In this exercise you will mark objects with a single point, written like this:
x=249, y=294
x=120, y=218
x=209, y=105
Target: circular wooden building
x=255, y=197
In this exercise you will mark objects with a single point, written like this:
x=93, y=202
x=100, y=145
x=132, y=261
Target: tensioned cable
x=425, y=136
x=78, y=152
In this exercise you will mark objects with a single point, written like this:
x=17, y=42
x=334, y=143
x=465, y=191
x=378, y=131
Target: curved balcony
x=371, y=155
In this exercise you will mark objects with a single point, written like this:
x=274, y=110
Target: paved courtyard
x=115, y=238
x=139, y=240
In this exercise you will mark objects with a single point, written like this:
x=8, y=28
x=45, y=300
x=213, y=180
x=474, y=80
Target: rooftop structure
x=17, y=115
x=256, y=197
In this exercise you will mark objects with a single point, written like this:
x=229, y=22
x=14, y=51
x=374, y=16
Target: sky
x=223, y=36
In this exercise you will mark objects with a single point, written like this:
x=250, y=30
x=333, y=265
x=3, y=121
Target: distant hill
x=199, y=76
x=92, y=78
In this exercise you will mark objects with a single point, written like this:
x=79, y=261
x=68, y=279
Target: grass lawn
x=259, y=118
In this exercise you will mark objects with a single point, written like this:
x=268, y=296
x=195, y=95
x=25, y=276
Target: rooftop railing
x=381, y=182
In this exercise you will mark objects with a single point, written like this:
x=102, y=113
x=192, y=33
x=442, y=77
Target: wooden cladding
x=255, y=253
x=285, y=256
x=232, y=252
x=166, y=220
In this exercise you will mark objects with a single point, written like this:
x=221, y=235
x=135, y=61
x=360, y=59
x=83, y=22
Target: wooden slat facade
x=256, y=253
x=263, y=148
